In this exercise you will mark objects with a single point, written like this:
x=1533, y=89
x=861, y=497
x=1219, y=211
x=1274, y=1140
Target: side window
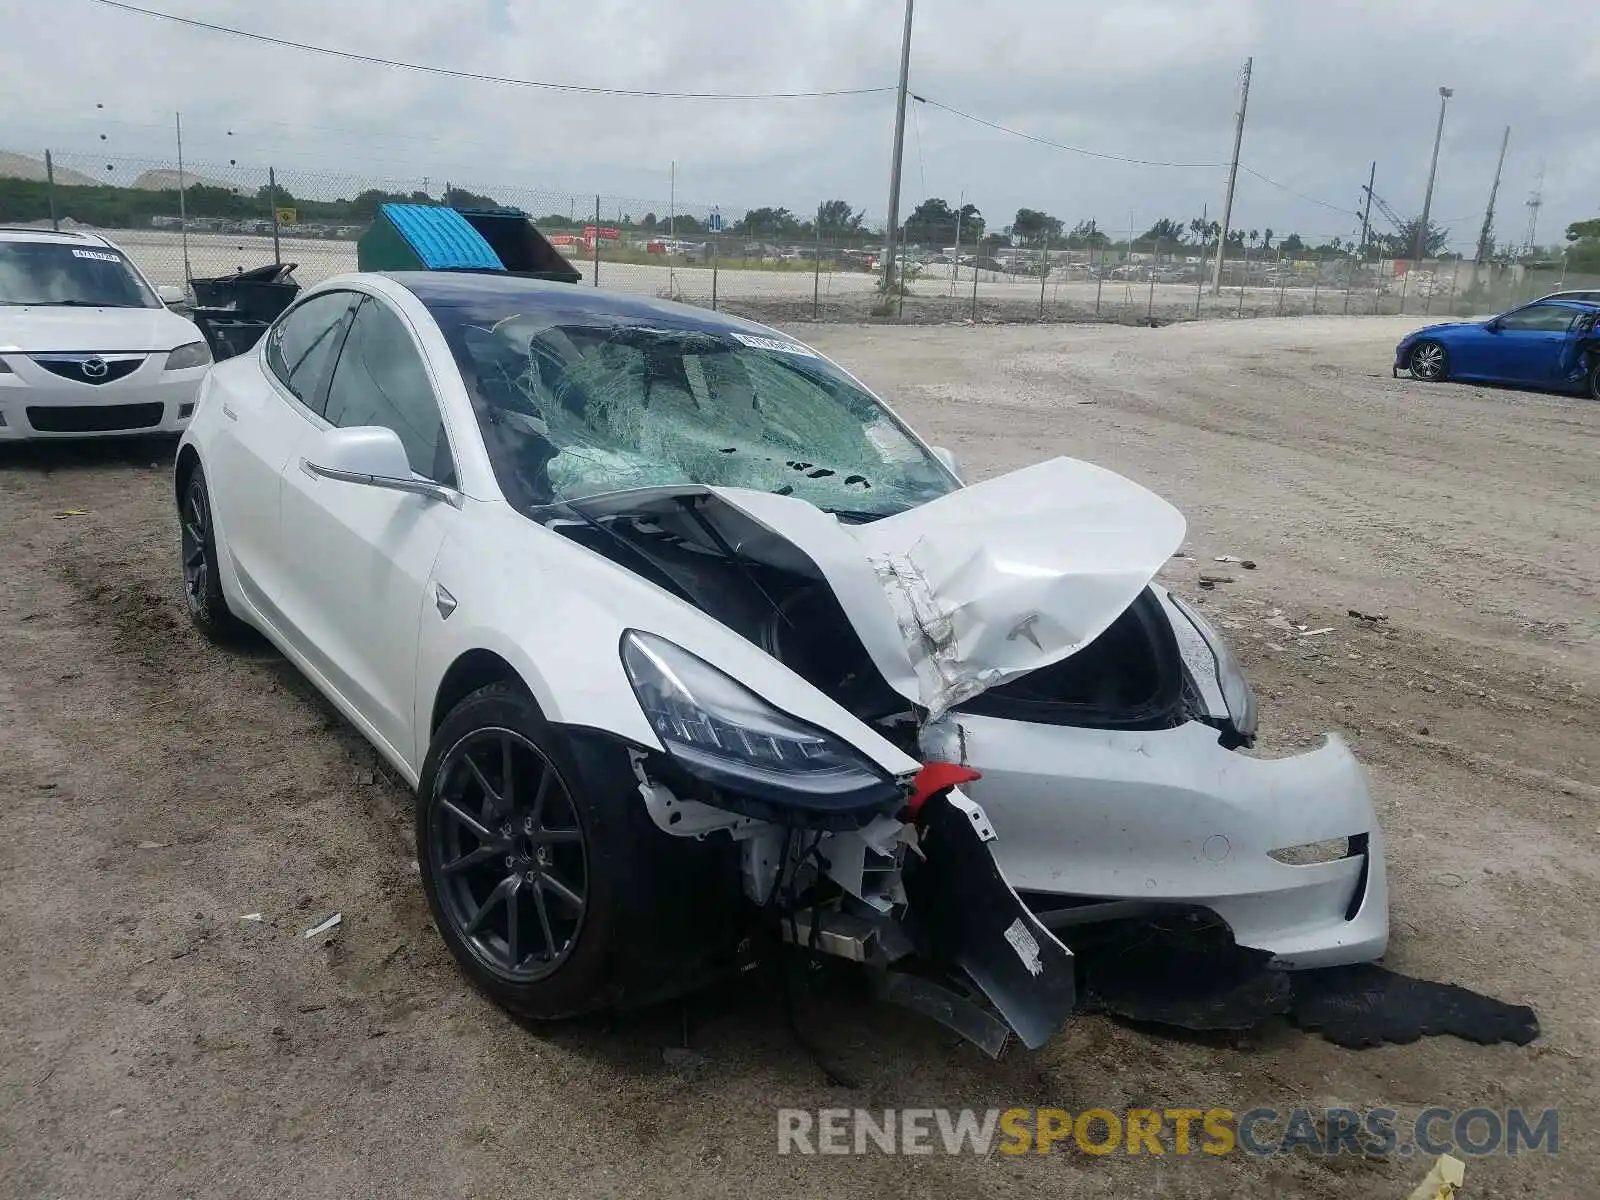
x=302, y=344
x=1540, y=318
x=380, y=380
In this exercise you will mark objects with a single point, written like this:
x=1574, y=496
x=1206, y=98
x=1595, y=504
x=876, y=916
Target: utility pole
x=1487, y=233
x=899, y=147
x=1366, y=212
x=1233, y=177
x=1433, y=169
x=1534, y=202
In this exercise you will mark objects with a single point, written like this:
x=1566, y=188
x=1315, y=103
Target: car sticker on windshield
x=766, y=343
x=97, y=255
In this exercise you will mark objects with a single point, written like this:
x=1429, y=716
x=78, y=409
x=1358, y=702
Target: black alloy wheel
x=202, y=582
x=507, y=851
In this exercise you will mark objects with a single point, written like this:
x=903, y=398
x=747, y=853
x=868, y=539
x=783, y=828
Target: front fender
x=557, y=612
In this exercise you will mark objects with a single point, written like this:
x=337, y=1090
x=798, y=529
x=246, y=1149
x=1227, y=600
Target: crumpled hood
x=34, y=330
x=989, y=582
x=1427, y=329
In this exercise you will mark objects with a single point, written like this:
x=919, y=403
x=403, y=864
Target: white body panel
x=1025, y=569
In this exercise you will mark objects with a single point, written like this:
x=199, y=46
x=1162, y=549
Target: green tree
x=931, y=222
x=1034, y=226
x=768, y=222
x=1164, y=231
x=837, y=218
x=1086, y=235
x=1292, y=244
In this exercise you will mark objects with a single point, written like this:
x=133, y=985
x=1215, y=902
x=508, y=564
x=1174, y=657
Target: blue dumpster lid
x=442, y=238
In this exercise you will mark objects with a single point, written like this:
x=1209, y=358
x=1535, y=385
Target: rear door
x=362, y=557
x=1528, y=346
x=267, y=405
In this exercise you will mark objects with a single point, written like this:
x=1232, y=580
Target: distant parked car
x=87, y=344
x=1547, y=344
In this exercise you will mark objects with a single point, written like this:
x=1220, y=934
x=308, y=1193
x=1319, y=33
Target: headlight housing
x=1237, y=696
x=725, y=735
x=193, y=354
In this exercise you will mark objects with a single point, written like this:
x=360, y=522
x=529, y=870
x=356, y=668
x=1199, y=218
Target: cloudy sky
x=1336, y=85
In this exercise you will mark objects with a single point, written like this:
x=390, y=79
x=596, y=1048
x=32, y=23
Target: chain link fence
x=227, y=217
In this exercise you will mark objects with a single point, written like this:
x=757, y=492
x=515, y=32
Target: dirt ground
x=154, y=1044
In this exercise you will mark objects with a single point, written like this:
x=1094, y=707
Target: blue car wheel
x=1429, y=361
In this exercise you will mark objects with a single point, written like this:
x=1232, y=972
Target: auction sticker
x=97, y=255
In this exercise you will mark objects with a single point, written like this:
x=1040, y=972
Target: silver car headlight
x=723, y=733
x=1237, y=695
x=194, y=354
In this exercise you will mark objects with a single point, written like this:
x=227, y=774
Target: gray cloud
x=1336, y=86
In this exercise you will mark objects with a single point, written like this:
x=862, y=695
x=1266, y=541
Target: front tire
x=1430, y=362
x=202, y=581
x=551, y=886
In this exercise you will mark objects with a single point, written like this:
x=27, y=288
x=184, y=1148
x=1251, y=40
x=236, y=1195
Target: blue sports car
x=1551, y=343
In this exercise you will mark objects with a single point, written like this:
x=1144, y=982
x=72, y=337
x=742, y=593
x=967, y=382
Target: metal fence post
x=50, y=189
x=597, y=241
x=272, y=198
x=1316, y=286
x=1200, y=279
x=1044, y=272
x=816, y=281
x=1454, y=278
x=1244, y=281
x=1427, y=301
x=1405, y=286
x=1283, y=282
x=1150, y=297
x=1349, y=283
x=1099, y=279
x=975, y=286
x=715, y=238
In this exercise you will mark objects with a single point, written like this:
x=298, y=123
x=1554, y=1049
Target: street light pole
x=1433, y=168
x=899, y=147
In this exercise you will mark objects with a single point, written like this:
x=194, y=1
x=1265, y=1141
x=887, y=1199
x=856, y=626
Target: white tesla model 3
x=671, y=622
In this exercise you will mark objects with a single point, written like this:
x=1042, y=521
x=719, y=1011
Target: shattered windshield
x=572, y=406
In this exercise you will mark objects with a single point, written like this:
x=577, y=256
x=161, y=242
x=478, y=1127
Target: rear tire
x=558, y=895
x=202, y=582
x=1594, y=380
x=1430, y=362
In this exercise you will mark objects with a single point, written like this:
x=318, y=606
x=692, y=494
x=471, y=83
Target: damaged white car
x=672, y=624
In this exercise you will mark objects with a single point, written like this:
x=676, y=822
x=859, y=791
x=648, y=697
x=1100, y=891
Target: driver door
x=1529, y=343
x=361, y=558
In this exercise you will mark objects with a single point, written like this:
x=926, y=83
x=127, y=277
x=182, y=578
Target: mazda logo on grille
x=94, y=368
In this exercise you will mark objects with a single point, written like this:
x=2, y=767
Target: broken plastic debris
x=70, y=512
x=1316, y=632
x=1373, y=617
x=1228, y=558
x=252, y=917
x=325, y=926
x=1443, y=1181
x=152, y=845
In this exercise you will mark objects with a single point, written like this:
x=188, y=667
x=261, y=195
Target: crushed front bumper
x=1170, y=817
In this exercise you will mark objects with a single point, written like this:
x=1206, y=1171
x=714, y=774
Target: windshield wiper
x=62, y=304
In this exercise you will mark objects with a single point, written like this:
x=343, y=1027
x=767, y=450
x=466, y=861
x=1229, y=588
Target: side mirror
x=951, y=462
x=371, y=456
x=168, y=294
x=1493, y=326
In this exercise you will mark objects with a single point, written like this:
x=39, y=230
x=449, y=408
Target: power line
x=1282, y=187
x=374, y=60
x=1140, y=162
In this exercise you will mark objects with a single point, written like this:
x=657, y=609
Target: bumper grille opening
x=98, y=418
x=1358, y=845
x=101, y=372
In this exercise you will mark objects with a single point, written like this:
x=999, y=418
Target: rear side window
x=381, y=380
x=302, y=345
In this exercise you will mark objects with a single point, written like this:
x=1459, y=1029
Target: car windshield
x=54, y=273
x=573, y=406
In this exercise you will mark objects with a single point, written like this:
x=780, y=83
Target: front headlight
x=726, y=735
x=195, y=354
x=1237, y=695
